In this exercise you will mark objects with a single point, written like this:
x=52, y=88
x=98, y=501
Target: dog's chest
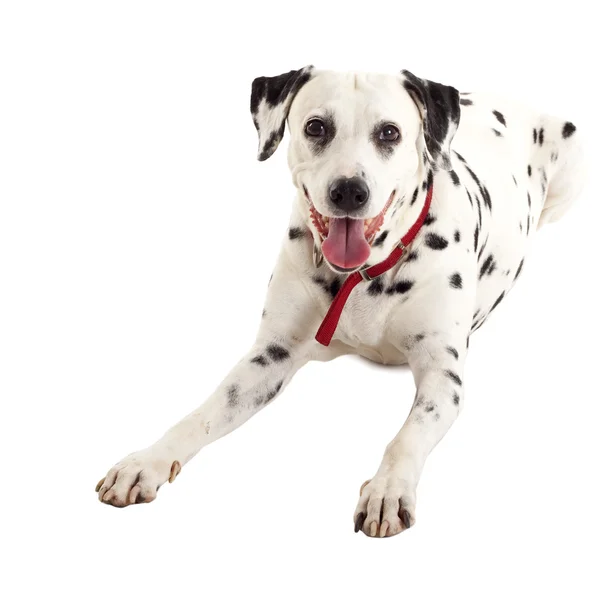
x=380, y=314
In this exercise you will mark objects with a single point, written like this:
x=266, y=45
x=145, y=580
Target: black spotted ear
x=270, y=103
x=439, y=106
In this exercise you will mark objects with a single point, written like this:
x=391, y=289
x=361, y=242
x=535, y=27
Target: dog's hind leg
x=561, y=154
x=283, y=345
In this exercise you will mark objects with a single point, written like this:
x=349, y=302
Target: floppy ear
x=270, y=103
x=439, y=106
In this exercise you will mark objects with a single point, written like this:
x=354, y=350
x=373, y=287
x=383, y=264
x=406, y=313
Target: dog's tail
x=565, y=164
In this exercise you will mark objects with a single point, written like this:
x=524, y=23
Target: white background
x=137, y=235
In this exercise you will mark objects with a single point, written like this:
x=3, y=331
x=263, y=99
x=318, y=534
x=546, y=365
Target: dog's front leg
x=387, y=502
x=284, y=343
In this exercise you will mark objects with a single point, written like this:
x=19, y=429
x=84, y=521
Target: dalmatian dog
x=445, y=190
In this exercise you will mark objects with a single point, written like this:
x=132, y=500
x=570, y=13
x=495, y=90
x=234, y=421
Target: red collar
x=329, y=324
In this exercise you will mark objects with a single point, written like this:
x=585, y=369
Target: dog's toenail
x=175, y=470
x=404, y=517
x=360, y=521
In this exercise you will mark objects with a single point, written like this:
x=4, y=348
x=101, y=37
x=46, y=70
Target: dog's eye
x=315, y=128
x=389, y=133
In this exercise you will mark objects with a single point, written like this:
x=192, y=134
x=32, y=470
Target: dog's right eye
x=315, y=128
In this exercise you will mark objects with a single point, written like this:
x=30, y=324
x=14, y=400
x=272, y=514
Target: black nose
x=349, y=194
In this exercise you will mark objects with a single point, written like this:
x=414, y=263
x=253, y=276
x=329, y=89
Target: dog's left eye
x=389, y=133
x=315, y=128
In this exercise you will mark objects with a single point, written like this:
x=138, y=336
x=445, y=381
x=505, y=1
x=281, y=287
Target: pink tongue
x=346, y=245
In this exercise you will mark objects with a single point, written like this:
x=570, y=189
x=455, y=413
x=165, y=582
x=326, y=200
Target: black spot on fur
x=379, y=241
x=477, y=325
x=429, y=407
x=435, y=241
x=498, y=300
x=499, y=116
x=457, y=236
x=519, y=269
x=541, y=136
x=466, y=102
x=429, y=181
x=277, y=352
x=487, y=267
x=295, y=233
x=482, y=249
x=568, y=130
x=414, y=196
x=454, y=177
x=515, y=180
x=375, y=287
x=456, y=281
x=233, y=393
x=331, y=288
x=412, y=256
x=320, y=143
x=452, y=375
x=487, y=199
x=460, y=157
x=334, y=287
x=535, y=136
x=260, y=360
x=496, y=132
x=479, y=217
x=419, y=337
x=456, y=399
x=529, y=170
x=264, y=313
x=271, y=143
x=400, y=287
x=544, y=181
x=429, y=219
x=452, y=351
x=272, y=393
x=476, y=238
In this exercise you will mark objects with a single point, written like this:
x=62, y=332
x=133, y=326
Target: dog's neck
x=404, y=211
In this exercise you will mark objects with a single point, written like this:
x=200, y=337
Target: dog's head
x=358, y=141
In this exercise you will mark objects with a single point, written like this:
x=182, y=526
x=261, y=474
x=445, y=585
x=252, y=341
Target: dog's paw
x=386, y=507
x=136, y=479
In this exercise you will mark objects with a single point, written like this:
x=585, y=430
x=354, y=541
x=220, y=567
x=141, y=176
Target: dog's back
x=542, y=152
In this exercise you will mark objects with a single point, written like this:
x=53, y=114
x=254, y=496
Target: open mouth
x=346, y=242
